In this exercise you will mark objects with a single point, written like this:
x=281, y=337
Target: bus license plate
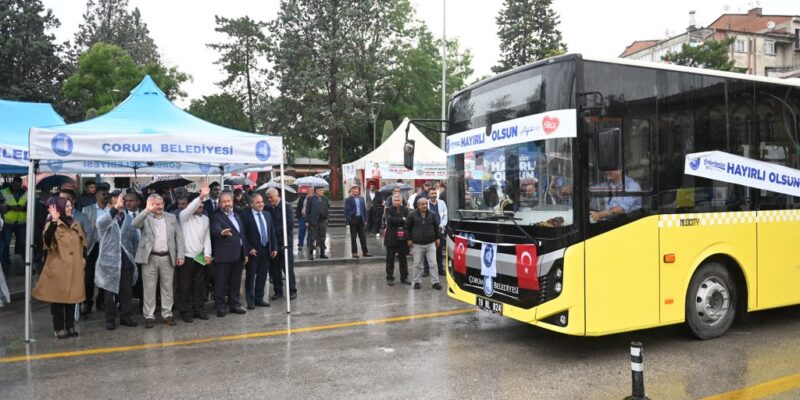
x=489, y=305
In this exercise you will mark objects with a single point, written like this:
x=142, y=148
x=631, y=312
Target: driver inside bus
x=616, y=205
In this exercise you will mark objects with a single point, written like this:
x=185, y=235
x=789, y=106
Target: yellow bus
x=570, y=208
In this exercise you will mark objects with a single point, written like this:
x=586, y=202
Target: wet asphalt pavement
x=465, y=355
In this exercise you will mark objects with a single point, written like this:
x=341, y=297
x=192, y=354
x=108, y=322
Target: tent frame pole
x=286, y=247
x=32, y=167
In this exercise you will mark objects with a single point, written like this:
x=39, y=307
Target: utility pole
x=444, y=69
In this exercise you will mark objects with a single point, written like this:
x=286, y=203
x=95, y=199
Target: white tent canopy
x=391, y=150
x=142, y=132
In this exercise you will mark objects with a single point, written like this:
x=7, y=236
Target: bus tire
x=711, y=301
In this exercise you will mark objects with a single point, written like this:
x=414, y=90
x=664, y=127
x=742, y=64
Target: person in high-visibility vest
x=16, y=202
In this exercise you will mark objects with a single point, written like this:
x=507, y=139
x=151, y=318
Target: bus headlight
x=557, y=287
x=559, y=273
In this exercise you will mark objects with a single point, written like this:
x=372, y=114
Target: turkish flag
x=527, y=273
x=460, y=255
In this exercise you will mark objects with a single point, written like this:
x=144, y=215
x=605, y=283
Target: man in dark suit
x=355, y=216
x=228, y=244
x=211, y=205
x=261, y=245
x=317, y=208
x=278, y=264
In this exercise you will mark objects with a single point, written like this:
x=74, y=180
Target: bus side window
x=777, y=138
x=638, y=155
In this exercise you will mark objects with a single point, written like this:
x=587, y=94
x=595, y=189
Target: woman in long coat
x=61, y=283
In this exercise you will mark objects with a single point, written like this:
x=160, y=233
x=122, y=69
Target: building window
x=797, y=39
x=740, y=46
x=769, y=47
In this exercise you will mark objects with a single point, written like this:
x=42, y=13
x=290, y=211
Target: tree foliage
x=388, y=129
x=711, y=54
x=107, y=73
x=242, y=58
x=222, y=109
x=331, y=59
x=109, y=21
x=528, y=31
x=415, y=86
x=32, y=69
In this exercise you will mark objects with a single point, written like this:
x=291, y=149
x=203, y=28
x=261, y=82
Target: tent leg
x=286, y=247
x=29, y=248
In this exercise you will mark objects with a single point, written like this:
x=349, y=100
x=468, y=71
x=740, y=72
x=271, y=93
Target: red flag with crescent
x=527, y=271
x=460, y=255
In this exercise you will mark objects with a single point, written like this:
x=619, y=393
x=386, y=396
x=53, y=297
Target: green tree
x=711, y=54
x=388, y=129
x=528, y=31
x=331, y=59
x=31, y=67
x=415, y=89
x=242, y=58
x=222, y=109
x=109, y=21
x=106, y=73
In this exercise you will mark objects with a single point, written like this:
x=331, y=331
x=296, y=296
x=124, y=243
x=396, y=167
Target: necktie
x=263, y=228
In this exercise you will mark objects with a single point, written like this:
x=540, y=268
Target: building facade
x=766, y=45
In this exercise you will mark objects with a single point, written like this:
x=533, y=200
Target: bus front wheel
x=711, y=301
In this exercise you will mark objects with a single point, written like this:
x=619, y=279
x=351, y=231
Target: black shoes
x=239, y=311
x=437, y=286
x=62, y=334
x=390, y=282
x=405, y=281
x=201, y=315
x=251, y=306
x=276, y=296
x=149, y=323
x=426, y=274
x=367, y=255
x=262, y=304
x=72, y=332
x=416, y=286
x=323, y=257
x=220, y=314
x=292, y=296
x=128, y=322
x=441, y=273
x=354, y=255
x=187, y=317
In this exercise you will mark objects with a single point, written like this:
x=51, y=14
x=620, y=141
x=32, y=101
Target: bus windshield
x=507, y=162
x=530, y=182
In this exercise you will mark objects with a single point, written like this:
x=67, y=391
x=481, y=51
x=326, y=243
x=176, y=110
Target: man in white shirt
x=197, y=246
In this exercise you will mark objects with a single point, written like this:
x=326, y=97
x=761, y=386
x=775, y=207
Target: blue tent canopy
x=148, y=134
x=16, y=119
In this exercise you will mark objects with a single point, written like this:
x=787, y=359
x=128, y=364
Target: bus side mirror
x=408, y=155
x=609, y=150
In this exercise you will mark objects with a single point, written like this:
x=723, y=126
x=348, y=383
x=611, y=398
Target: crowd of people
x=100, y=250
x=175, y=250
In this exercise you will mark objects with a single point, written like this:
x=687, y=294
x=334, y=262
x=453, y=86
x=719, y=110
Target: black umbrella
x=391, y=186
x=54, y=181
x=238, y=180
x=167, y=183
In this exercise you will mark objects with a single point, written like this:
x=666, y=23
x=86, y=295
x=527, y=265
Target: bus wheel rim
x=712, y=301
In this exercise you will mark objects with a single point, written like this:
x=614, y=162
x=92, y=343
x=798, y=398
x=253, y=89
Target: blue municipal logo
x=61, y=144
x=488, y=285
x=694, y=164
x=263, y=151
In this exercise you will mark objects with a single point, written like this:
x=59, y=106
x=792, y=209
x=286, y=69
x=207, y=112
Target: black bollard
x=637, y=373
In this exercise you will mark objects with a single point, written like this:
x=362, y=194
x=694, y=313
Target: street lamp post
x=374, y=115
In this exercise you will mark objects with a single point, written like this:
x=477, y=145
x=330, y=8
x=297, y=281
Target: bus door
x=622, y=277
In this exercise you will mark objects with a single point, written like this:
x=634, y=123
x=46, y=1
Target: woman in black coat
x=395, y=240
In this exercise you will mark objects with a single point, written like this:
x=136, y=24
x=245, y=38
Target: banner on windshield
x=547, y=125
x=730, y=168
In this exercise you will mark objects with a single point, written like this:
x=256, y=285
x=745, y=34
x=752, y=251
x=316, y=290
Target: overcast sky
x=181, y=28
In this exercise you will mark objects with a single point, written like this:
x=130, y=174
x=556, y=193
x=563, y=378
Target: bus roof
x=702, y=71
x=635, y=63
